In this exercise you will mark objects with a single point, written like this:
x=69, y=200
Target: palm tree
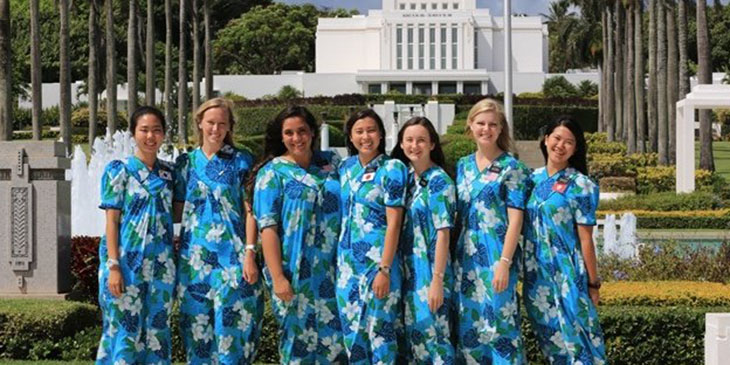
x=6, y=106
x=182, y=83
x=149, y=71
x=132, y=58
x=208, y=52
x=662, y=83
x=672, y=80
x=652, y=97
x=639, y=79
x=111, y=70
x=629, y=106
x=64, y=109
x=196, y=57
x=560, y=21
x=704, y=76
x=92, y=81
x=683, y=58
x=35, y=69
x=619, y=69
x=168, y=64
x=609, y=108
x=603, y=91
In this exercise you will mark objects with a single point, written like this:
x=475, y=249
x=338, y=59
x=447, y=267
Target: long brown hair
x=222, y=103
x=504, y=141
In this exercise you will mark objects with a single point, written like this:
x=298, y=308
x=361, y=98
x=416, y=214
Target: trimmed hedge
x=662, y=178
x=665, y=293
x=694, y=219
x=666, y=201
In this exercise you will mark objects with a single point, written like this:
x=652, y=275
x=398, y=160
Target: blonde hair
x=504, y=141
x=222, y=103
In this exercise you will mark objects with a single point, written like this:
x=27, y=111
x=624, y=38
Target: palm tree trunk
x=182, y=83
x=683, y=49
x=168, y=66
x=619, y=68
x=672, y=81
x=610, y=96
x=149, y=71
x=6, y=106
x=704, y=76
x=639, y=79
x=196, y=57
x=35, y=70
x=208, y=52
x=662, y=84
x=652, y=97
x=132, y=58
x=92, y=81
x=64, y=109
x=111, y=70
x=630, y=120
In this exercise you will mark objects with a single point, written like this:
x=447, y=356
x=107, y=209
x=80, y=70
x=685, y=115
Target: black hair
x=367, y=113
x=273, y=143
x=578, y=160
x=142, y=111
x=437, y=154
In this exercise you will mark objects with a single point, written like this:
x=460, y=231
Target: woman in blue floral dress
x=492, y=192
x=428, y=278
x=297, y=208
x=368, y=266
x=221, y=301
x=137, y=271
x=560, y=276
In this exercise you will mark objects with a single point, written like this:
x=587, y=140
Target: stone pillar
x=432, y=113
x=409, y=87
x=35, y=233
x=717, y=338
x=460, y=87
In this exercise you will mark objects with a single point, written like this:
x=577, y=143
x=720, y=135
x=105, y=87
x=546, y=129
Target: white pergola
x=701, y=97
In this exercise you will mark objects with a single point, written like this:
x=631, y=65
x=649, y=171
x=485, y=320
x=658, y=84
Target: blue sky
x=531, y=7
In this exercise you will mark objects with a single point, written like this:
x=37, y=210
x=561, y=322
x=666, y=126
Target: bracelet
x=505, y=259
x=111, y=263
x=251, y=247
x=385, y=269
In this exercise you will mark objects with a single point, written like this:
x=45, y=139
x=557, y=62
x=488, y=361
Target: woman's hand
x=436, y=294
x=595, y=295
x=283, y=289
x=381, y=285
x=250, y=268
x=115, y=281
x=501, y=277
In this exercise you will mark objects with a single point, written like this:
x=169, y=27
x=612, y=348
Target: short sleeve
x=245, y=164
x=584, y=195
x=267, y=198
x=516, y=186
x=113, y=185
x=442, y=201
x=179, y=189
x=395, y=180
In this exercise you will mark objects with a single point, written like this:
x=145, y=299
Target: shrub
x=85, y=268
x=529, y=119
x=531, y=95
x=655, y=179
x=559, y=87
x=252, y=121
x=455, y=149
x=694, y=219
x=337, y=138
x=604, y=165
x=617, y=184
x=667, y=201
x=587, y=89
x=606, y=148
x=665, y=293
x=458, y=128
x=80, y=118
x=288, y=92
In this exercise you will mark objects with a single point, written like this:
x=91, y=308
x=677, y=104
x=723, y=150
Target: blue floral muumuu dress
x=555, y=278
x=220, y=313
x=136, y=325
x=489, y=322
x=369, y=324
x=304, y=207
x=431, y=203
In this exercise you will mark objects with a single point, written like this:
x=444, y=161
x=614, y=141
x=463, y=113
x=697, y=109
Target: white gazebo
x=702, y=97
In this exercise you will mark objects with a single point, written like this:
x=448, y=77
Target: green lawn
x=721, y=152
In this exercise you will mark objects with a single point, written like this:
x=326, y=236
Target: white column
x=508, y=64
x=717, y=337
x=449, y=42
x=427, y=46
x=432, y=113
x=485, y=87
x=416, y=40
x=393, y=47
x=434, y=87
x=685, y=172
x=324, y=143
x=409, y=87
x=383, y=87
x=439, y=66
x=460, y=87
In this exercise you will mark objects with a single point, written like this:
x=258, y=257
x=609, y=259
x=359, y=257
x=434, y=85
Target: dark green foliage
x=689, y=222
x=587, y=89
x=456, y=148
x=529, y=119
x=666, y=201
x=559, y=87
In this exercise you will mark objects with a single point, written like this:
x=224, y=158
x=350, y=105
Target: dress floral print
x=304, y=207
x=220, y=313
x=489, y=322
x=431, y=204
x=555, y=277
x=370, y=325
x=136, y=325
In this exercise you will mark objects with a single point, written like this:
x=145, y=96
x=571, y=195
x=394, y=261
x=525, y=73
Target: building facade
x=429, y=47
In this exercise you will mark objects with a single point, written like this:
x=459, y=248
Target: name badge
x=166, y=175
x=493, y=173
x=560, y=185
x=369, y=174
x=423, y=182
